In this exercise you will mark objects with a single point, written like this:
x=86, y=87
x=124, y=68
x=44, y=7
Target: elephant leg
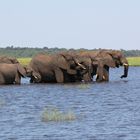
x=106, y=74
x=17, y=78
x=71, y=71
x=87, y=78
x=104, y=77
x=31, y=80
x=99, y=74
x=2, y=79
x=59, y=76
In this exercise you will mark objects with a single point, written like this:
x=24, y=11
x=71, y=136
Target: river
x=104, y=111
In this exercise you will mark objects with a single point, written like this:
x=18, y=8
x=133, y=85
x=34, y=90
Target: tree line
x=29, y=52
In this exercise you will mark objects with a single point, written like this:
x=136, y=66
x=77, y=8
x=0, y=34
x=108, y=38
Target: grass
x=24, y=61
x=133, y=61
x=84, y=86
x=53, y=114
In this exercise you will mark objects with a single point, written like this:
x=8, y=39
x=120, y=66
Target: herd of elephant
x=63, y=67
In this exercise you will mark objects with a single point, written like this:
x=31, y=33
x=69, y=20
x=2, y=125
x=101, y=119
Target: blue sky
x=111, y=24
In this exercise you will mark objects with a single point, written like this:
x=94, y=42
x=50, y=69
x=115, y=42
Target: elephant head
x=72, y=61
x=104, y=59
x=87, y=70
x=79, y=66
x=120, y=60
x=35, y=76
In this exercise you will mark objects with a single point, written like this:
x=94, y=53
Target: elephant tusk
x=96, y=76
x=103, y=77
x=81, y=66
x=35, y=77
x=124, y=64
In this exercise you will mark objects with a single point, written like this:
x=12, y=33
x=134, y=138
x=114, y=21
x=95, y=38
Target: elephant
x=11, y=73
x=88, y=58
x=82, y=74
x=8, y=60
x=53, y=68
x=113, y=59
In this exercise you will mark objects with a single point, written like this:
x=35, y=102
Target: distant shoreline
x=133, y=61
x=29, y=52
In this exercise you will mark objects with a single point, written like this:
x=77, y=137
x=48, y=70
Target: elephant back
x=8, y=60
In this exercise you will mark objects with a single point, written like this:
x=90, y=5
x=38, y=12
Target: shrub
x=53, y=114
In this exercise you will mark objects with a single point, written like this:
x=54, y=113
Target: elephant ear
x=67, y=56
x=62, y=63
x=28, y=70
x=109, y=61
x=21, y=70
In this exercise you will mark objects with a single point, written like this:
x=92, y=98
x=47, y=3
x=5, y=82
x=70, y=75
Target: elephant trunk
x=126, y=67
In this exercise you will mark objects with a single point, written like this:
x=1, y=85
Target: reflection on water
x=2, y=103
x=103, y=110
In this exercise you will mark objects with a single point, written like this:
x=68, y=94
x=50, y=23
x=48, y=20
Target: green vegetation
x=19, y=52
x=24, y=61
x=25, y=54
x=53, y=114
x=131, y=53
x=84, y=86
x=134, y=61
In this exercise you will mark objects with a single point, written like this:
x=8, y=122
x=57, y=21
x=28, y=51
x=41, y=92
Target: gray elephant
x=34, y=76
x=82, y=74
x=113, y=59
x=86, y=60
x=53, y=68
x=11, y=73
x=92, y=63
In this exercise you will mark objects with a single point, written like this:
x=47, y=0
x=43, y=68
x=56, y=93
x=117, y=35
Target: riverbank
x=133, y=61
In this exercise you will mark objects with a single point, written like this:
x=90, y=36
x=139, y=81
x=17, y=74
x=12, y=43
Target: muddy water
x=104, y=111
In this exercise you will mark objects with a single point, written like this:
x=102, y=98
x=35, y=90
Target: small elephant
x=35, y=76
x=11, y=73
x=82, y=74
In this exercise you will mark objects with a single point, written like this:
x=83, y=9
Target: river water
x=104, y=111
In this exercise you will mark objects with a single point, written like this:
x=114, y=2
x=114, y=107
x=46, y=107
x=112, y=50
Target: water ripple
x=103, y=110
